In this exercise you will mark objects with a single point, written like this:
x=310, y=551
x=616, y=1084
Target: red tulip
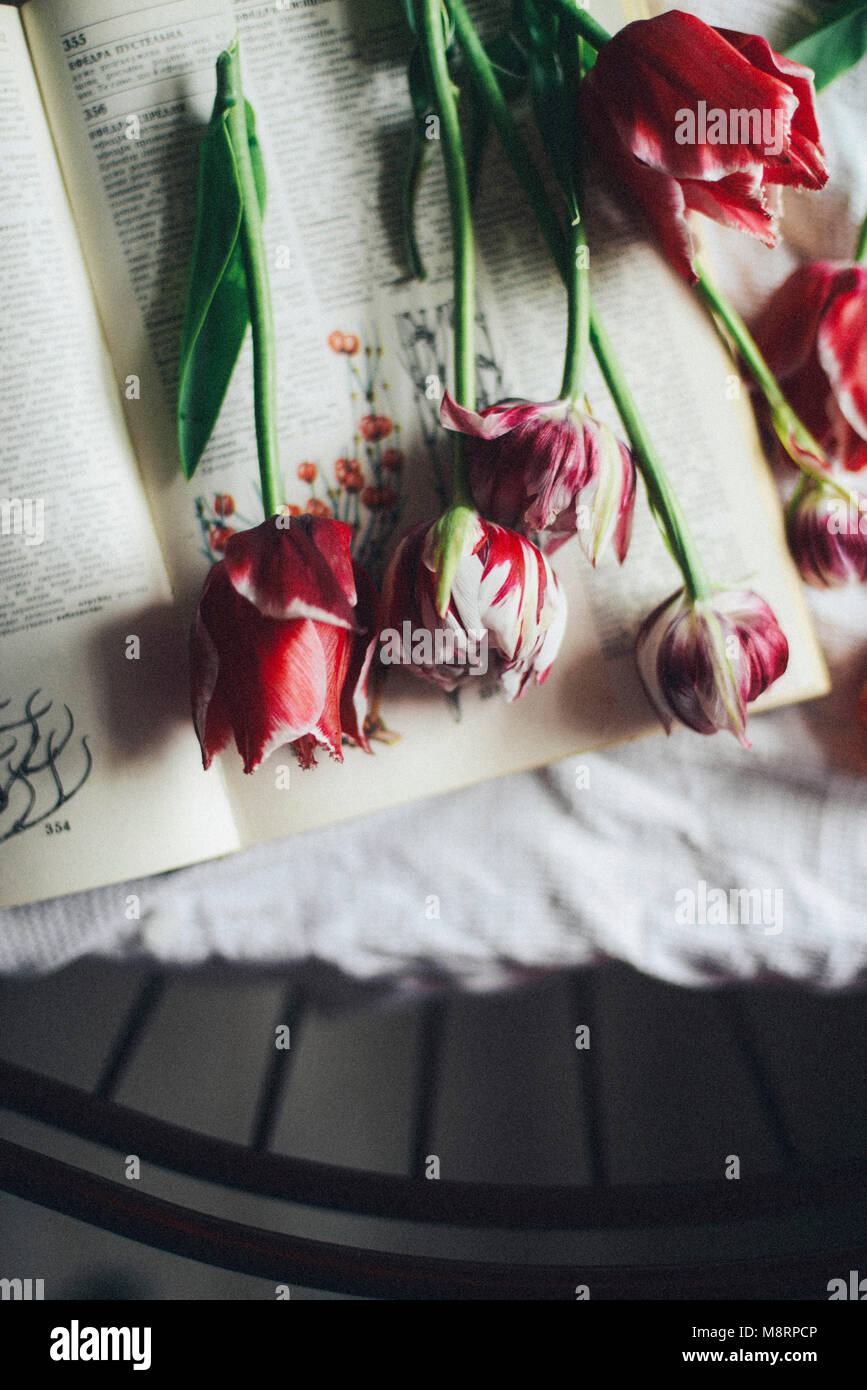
x=687, y=118
x=277, y=651
x=813, y=333
x=506, y=611
x=549, y=468
x=703, y=662
x=827, y=536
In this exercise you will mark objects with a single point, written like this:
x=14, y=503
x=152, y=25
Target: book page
x=363, y=355
x=98, y=781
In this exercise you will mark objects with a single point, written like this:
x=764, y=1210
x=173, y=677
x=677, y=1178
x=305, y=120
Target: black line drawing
x=32, y=785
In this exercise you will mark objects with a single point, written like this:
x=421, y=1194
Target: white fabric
x=538, y=870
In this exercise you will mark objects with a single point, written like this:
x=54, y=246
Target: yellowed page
x=98, y=779
x=328, y=85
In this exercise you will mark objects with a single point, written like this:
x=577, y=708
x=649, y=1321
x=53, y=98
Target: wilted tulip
x=813, y=334
x=281, y=643
x=702, y=662
x=688, y=118
x=551, y=468
x=827, y=536
x=505, y=608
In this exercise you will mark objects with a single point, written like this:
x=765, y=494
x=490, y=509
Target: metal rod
x=762, y=1083
x=283, y=1258
x=276, y=1072
x=497, y=1205
x=428, y=1056
x=589, y=1069
x=128, y=1039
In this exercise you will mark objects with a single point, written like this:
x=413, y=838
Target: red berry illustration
x=379, y=499
x=375, y=427
x=224, y=504
x=218, y=536
x=336, y=341
x=317, y=508
x=392, y=459
x=350, y=344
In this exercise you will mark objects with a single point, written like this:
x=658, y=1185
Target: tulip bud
x=452, y=537
x=504, y=603
x=550, y=468
x=703, y=661
x=828, y=536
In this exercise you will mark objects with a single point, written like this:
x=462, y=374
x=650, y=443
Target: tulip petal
x=295, y=567
x=336, y=651
x=354, y=694
x=653, y=70
x=789, y=323
x=659, y=196
x=623, y=529
x=803, y=163
x=492, y=422
x=736, y=201
x=847, y=447
x=842, y=347
x=210, y=716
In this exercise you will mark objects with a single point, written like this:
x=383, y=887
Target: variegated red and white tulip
x=282, y=642
x=504, y=599
x=828, y=536
x=688, y=118
x=703, y=662
x=549, y=468
x=813, y=335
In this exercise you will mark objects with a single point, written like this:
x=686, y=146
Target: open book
x=104, y=546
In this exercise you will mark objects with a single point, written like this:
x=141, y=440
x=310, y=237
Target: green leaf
x=836, y=45
x=217, y=310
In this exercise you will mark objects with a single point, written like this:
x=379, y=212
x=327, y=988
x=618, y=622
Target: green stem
x=578, y=321
x=663, y=499
x=792, y=433
x=429, y=22
x=589, y=28
x=230, y=92
x=667, y=509
x=578, y=280
x=489, y=89
x=861, y=243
